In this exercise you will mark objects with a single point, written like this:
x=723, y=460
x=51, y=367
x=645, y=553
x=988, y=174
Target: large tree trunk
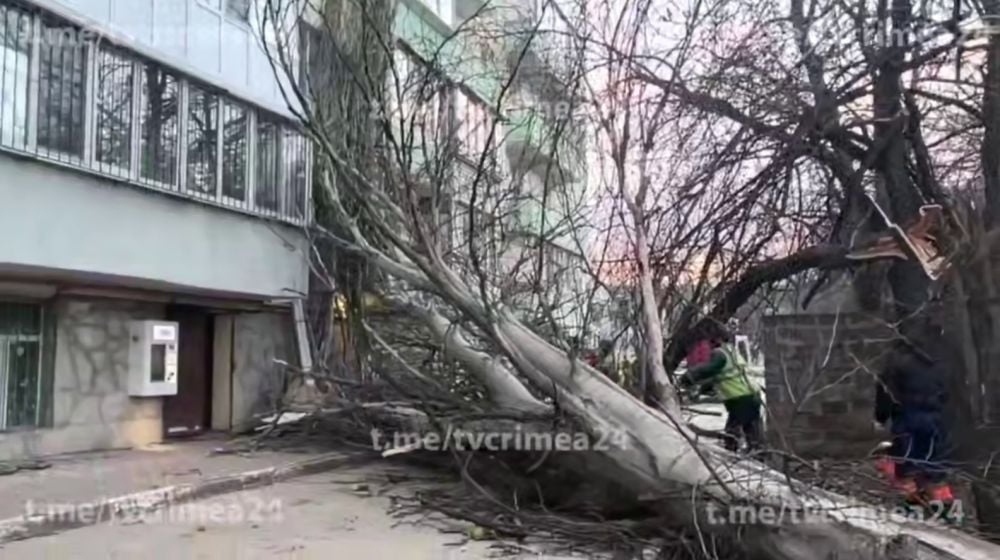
x=990, y=149
x=655, y=382
x=656, y=454
x=651, y=451
x=908, y=282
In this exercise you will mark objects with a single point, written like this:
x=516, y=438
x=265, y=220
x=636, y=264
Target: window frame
x=94, y=52
x=443, y=9
x=279, y=182
x=249, y=127
x=423, y=91
x=176, y=184
x=288, y=172
x=133, y=139
x=214, y=193
x=473, y=141
x=243, y=19
x=221, y=8
x=30, y=71
x=86, y=156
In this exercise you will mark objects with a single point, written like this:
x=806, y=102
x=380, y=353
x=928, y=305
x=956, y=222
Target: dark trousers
x=743, y=420
x=920, y=446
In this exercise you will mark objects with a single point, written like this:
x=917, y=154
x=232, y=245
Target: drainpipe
x=302, y=336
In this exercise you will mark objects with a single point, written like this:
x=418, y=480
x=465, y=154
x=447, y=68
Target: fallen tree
x=371, y=185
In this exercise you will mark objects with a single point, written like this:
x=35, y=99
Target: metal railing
x=70, y=97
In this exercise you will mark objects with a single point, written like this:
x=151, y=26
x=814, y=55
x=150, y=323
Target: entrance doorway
x=189, y=412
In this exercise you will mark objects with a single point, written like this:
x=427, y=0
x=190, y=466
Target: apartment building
x=502, y=99
x=149, y=171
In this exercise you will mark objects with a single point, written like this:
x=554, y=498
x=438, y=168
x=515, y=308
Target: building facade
x=505, y=95
x=149, y=170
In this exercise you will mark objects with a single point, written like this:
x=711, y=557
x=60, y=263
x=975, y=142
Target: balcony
x=544, y=142
x=121, y=171
x=542, y=47
x=98, y=108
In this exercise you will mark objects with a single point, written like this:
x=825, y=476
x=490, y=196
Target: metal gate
x=20, y=364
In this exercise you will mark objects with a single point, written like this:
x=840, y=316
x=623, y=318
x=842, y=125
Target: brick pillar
x=820, y=382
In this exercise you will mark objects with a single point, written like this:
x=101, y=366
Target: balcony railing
x=443, y=125
x=551, y=50
x=68, y=97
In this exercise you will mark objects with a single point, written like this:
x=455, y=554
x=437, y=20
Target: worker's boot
x=942, y=504
x=731, y=439
x=887, y=467
x=911, y=497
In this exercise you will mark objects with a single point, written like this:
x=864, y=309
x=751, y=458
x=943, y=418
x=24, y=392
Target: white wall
x=70, y=221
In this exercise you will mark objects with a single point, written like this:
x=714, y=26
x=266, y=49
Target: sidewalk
x=78, y=478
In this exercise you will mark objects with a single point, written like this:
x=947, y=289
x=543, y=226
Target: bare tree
x=726, y=136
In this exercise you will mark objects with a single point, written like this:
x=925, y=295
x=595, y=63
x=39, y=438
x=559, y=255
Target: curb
x=135, y=504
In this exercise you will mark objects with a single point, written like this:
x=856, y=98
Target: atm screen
x=159, y=362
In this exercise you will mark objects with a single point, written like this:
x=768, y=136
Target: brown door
x=189, y=411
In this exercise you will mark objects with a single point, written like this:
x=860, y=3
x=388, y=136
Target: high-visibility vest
x=733, y=381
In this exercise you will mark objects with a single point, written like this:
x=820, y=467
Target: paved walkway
x=314, y=517
x=77, y=478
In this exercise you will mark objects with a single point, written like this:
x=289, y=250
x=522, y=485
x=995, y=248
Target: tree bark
x=990, y=149
x=504, y=388
x=659, y=453
x=908, y=282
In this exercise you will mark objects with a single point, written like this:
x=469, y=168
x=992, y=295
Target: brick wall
x=820, y=381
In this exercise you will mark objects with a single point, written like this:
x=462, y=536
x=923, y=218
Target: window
x=203, y=141
x=458, y=222
x=486, y=240
x=268, y=178
x=423, y=100
x=235, y=129
x=61, y=101
x=115, y=86
x=466, y=9
x=557, y=266
x=472, y=125
x=438, y=221
x=103, y=107
x=20, y=360
x=235, y=9
x=282, y=169
x=15, y=26
x=443, y=8
x=159, y=125
x=294, y=172
x=238, y=9
x=431, y=117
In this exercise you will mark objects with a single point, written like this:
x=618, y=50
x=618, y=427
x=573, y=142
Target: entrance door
x=189, y=411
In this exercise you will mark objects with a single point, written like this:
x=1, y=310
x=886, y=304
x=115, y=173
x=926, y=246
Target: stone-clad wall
x=820, y=376
x=90, y=406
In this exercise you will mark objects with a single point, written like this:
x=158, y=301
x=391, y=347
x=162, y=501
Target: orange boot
x=909, y=489
x=887, y=467
x=943, y=504
x=940, y=493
